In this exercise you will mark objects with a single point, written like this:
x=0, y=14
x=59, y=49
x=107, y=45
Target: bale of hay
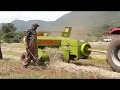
x=55, y=54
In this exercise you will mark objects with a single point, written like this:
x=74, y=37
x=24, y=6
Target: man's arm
x=27, y=43
x=29, y=34
x=27, y=38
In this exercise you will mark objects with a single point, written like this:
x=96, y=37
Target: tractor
x=113, y=52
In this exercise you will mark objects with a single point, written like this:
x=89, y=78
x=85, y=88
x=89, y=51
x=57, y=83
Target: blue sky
x=8, y=16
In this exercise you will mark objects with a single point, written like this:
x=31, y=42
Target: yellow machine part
x=24, y=41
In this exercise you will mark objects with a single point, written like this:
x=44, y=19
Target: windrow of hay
x=55, y=55
x=11, y=66
x=56, y=62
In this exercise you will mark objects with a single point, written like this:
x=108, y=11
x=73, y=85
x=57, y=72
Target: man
x=31, y=44
x=1, y=57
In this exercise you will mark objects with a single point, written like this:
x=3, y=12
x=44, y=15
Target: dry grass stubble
x=86, y=72
x=55, y=69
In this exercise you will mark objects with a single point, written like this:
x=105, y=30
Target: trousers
x=34, y=50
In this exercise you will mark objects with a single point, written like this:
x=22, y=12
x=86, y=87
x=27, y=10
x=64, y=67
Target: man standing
x=31, y=46
x=1, y=57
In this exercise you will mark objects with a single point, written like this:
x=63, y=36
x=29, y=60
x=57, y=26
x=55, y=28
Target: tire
x=84, y=50
x=113, y=54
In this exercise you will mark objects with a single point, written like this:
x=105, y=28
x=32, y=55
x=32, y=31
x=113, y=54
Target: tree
x=18, y=37
x=102, y=30
x=9, y=32
x=8, y=27
x=105, y=29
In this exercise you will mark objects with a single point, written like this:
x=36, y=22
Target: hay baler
x=72, y=49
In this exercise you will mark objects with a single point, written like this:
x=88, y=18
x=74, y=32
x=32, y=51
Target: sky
x=8, y=16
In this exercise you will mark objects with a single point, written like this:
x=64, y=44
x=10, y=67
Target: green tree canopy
x=8, y=30
x=8, y=27
x=102, y=30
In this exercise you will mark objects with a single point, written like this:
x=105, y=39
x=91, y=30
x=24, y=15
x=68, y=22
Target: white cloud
x=8, y=16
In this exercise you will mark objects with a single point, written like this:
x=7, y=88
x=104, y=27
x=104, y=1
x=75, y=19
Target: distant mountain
x=82, y=21
x=24, y=25
x=89, y=19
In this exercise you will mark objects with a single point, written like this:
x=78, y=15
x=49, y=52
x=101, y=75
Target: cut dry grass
x=99, y=45
x=12, y=51
x=11, y=67
x=84, y=71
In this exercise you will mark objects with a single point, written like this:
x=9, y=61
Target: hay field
x=10, y=66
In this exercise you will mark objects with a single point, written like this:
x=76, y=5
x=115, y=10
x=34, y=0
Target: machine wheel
x=84, y=50
x=113, y=54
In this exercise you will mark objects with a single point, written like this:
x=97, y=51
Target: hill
x=75, y=19
x=81, y=21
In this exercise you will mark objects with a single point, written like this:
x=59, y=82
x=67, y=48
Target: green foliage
x=9, y=35
x=1, y=36
x=8, y=30
x=102, y=30
x=8, y=27
x=18, y=37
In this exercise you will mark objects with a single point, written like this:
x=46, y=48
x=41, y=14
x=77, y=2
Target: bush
x=18, y=37
x=8, y=34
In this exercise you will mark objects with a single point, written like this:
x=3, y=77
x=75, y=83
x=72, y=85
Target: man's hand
x=27, y=47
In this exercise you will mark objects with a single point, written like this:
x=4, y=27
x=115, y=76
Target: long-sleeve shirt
x=30, y=33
